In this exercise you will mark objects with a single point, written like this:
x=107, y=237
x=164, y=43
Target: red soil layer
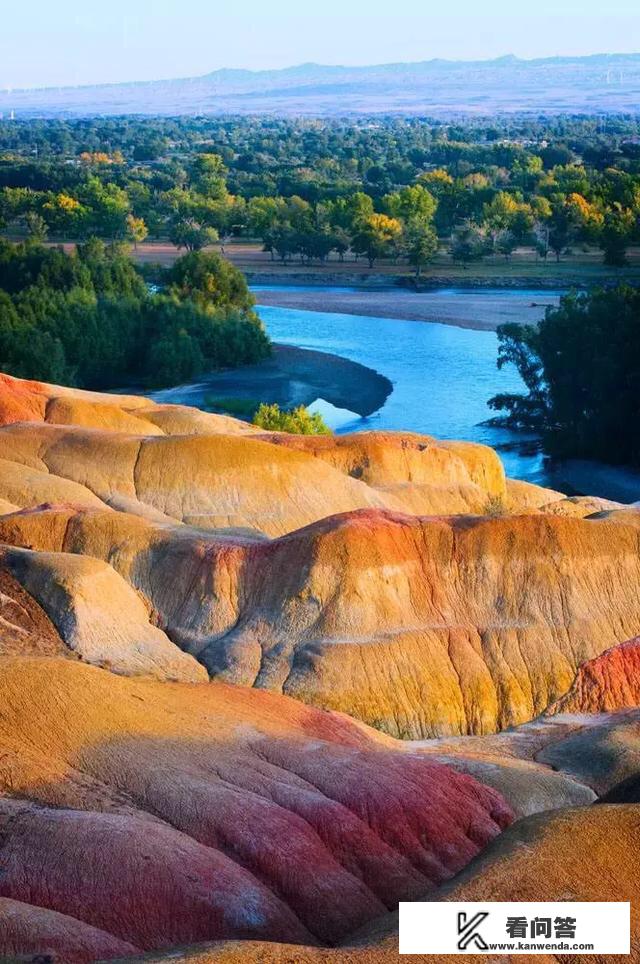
x=607, y=683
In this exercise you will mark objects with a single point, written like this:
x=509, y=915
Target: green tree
x=615, y=237
x=210, y=176
x=581, y=369
x=297, y=421
x=469, y=244
x=191, y=235
x=209, y=280
x=376, y=236
x=411, y=203
x=37, y=227
x=421, y=244
x=109, y=207
x=137, y=230
x=561, y=229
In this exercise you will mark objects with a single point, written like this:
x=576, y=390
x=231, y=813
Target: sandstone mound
x=527, y=785
x=553, y=762
x=581, y=506
x=98, y=615
x=543, y=858
x=420, y=626
x=525, y=497
x=214, y=481
x=38, y=402
x=215, y=812
x=609, y=682
x=602, y=754
x=281, y=562
x=540, y=858
x=21, y=401
x=377, y=574
x=257, y=952
x=420, y=474
x=400, y=470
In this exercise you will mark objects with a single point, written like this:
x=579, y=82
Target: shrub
x=297, y=421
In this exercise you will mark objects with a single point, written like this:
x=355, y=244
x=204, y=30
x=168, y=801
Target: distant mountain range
x=602, y=83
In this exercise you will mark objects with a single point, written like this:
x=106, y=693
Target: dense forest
x=90, y=319
x=581, y=366
x=398, y=189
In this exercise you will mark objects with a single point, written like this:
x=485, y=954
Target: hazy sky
x=55, y=42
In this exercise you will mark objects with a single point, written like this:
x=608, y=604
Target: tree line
x=310, y=190
x=89, y=318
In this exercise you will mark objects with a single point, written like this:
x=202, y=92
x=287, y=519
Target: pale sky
x=60, y=42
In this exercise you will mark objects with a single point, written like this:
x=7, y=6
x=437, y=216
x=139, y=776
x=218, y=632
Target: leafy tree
x=615, y=237
x=506, y=243
x=297, y=421
x=210, y=176
x=555, y=155
x=561, y=225
x=376, y=236
x=209, y=280
x=66, y=215
x=89, y=319
x=469, y=244
x=191, y=235
x=109, y=207
x=586, y=218
x=581, y=368
x=411, y=203
x=137, y=230
x=422, y=244
x=37, y=227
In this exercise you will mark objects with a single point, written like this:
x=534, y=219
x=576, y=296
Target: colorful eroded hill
x=211, y=640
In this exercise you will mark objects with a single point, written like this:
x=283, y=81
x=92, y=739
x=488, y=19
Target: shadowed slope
x=25, y=628
x=216, y=811
x=26, y=929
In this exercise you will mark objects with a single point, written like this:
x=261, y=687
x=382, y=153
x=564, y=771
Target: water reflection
x=442, y=376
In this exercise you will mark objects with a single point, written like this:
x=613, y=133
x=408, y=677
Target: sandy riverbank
x=291, y=377
x=481, y=310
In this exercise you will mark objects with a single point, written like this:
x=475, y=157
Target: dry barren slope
x=421, y=626
x=282, y=563
x=213, y=811
x=134, y=454
x=358, y=574
x=540, y=858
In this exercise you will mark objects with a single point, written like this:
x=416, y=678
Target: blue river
x=442, y=376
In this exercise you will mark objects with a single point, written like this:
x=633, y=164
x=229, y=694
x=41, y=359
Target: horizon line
x=291, y=67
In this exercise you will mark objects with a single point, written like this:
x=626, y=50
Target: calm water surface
x=442, y=376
